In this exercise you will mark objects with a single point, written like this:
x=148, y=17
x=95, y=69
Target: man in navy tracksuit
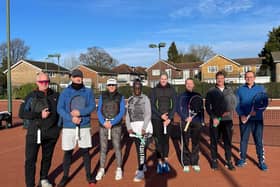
x=255, y=124
x=189, y=158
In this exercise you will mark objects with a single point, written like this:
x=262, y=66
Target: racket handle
x=247, y=118
x=109, y=134
x=39, y=136
x=77, y=133
x=187, y=126
x=164, y=129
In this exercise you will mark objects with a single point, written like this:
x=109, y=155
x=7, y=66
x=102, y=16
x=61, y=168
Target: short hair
x=189, y=79
x=250, y=71
x=39, y=74
x=164, y=74
x=220, y=73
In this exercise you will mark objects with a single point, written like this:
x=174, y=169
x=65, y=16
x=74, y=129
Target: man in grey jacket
x=220, y=125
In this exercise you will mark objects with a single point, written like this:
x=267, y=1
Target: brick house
x=276, y=60
x=25, y=71
x=234, y=69
x=177, y=73
x=96, y=77
x=126, y=74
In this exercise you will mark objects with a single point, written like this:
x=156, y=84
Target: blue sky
x=125, y=28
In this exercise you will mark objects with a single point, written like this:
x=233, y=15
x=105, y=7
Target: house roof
x=125, y=69
x=189, y=65
x=171, y=64
x=221, y=57
x=276, y=56
x=100, y=70
x=248, y=61
x=44, y=66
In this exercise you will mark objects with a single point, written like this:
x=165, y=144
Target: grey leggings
x=116, y=140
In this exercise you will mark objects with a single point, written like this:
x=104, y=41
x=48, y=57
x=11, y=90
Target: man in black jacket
x=39, y=108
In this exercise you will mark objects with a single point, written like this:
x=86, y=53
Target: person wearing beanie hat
x=138, y=122
x=75, y=105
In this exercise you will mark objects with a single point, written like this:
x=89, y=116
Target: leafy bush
x=22, y=91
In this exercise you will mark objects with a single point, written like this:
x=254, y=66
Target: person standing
x=138, y=121
x=189, y=157
x=76, y=116
x=163, y=104
x=255, y=124
x=220, y=125
x=111, y=108
x=39, y=108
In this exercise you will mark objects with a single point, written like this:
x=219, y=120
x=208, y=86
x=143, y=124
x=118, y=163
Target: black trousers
x=161, y=139
x=190, y=157
x=31, y=154
x=224, y=129
x=141, y=152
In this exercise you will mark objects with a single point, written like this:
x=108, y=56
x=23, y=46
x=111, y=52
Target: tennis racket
x=109, y=130
x=259, y=102
x=195, y=106
x=77, y=102
x=143, y=140
x=37, y=105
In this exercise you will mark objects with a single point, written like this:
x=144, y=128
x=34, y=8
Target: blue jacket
x=182, y=107
x=117, y=119
x=63, y=107
x=245, y=96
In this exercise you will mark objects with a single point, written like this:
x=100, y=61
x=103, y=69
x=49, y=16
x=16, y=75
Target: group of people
x=146, y=118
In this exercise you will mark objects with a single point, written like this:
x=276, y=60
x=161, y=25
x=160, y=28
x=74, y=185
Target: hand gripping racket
x=195, y=106
x=77, y=102
x=259, y=102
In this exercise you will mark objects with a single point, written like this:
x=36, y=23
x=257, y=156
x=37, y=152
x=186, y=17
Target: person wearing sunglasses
x=111, y=108
x=39, y=108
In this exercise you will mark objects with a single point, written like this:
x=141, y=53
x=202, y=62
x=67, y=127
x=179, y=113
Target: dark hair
x=137, y=81
x=220, y=73
x=189, y=79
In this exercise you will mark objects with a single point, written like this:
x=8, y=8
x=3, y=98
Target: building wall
x=23, y=73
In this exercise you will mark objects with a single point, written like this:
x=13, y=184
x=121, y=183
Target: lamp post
x=160, y=45
x=9, y=82
x=56, y=55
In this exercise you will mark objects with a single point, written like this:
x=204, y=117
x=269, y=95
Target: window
x=212, y=69
x=155, y=72
x=258, y=67
x=228, y=68
x=186, y=74
x=168, y=72
x=52, y=74
x=246, y=68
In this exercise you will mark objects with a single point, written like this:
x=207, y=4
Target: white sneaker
x=118, y=175
x=139, y=176
x=196, y=168
x=45, y=183
x=186, y=169
x=100, y=174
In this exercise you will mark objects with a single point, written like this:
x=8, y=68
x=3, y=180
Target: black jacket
x=30, y=110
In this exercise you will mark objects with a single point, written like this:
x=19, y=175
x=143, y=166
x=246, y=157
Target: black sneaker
x=91, y=181
x=214, y=164
x=63, y=181
x=229, y=165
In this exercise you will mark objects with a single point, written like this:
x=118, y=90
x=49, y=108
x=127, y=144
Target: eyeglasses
x=111, y=85
x=44, y=81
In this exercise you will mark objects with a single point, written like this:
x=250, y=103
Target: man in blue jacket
x=111, y=108
x=245, y=95
x=189, y=157
x=76, y=117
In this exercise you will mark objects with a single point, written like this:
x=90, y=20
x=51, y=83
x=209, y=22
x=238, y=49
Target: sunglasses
x=111, y=85
x=44, y=81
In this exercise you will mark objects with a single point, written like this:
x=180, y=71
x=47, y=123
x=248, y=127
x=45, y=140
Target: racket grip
x=247, y=118
x=77, y=133
x=187, y=126
x=164, y=129
x=109, y=134
x=39, y=136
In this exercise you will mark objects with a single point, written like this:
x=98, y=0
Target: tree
x=98, y=57
x=173, y=54
x=71, y=61
x=197, y=53
x=272, y=44
x=18, y=50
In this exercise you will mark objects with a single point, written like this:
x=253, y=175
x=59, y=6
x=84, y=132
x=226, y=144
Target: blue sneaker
x=159, y=168
x=241, y=163
x=263, y=166
x=166, y=167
